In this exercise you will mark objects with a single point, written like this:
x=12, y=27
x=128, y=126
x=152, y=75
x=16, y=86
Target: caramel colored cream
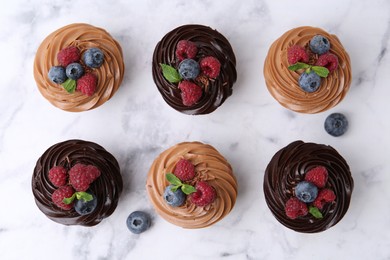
x=210, y=166
x=83, y=36
x=283, y=83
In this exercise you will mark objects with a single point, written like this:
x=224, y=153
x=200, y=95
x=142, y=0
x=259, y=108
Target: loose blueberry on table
x=138, y=222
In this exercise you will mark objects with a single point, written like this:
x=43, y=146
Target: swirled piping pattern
x=107, y=187
x=83, y=36
x=283, y=83
x=210, y=166
x=288, y=167
x=209, y=43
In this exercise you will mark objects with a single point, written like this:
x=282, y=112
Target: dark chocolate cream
x=210, y=43
x=107, y=187
x=288, y=167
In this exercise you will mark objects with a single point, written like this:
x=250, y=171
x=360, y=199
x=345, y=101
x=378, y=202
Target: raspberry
x=79, y=178
x=204, y=194
x=60, y=194
x=329, y=61
x=323, y=197
x=210, y=66
x=68, y=55
x=190, y=92
x=318, y=176
x=297, y=53
x=87, y=84
x=184, y=170
x=186, y=50
x=295, y=208
x=92, y=172
x=57, y=176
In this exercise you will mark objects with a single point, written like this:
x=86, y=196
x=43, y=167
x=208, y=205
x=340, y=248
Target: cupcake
x=307, y=70
x=194, y=69
x=77, y=182
x=191, y=185
x=78, y=67
x=308, y=186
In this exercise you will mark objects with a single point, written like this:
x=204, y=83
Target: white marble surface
x=248, y=129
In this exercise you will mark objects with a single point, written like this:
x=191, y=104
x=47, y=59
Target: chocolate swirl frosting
x=283, y=83
x=210, y=166
x=107, y=187
x=83, y=36
x=209, y=43
x=288, y=167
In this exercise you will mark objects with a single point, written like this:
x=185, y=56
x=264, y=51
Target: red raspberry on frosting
x=318, y=176
x=295, y=208
x=190, y=92
x=60, y=194
x=184, y=170
x=323, y=197
x=79, y=178
x=87, y=84
x=210, y=66
x=68, y=55
x=92, y=172
x=329, y=61
x=186, y=50
x=204, y=194
x=58, y=176
x=296, y=54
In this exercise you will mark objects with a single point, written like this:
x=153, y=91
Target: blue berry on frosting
x=189, y=69
x=74, y=71
x=309, y=82
x=174, y=198
x=93, y=58
x=306, y=191
x=57, y=74
x=319, y=44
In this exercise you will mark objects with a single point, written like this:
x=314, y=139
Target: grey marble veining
x=247, y=129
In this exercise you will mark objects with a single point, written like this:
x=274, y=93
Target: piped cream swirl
x=283, y=83
x=210, y=166
x=83, y=36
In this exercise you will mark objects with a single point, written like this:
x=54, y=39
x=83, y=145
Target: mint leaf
x=83, y=195
x=299, y=66
x=173, y=179
x=320, y=71
x=69, y=85
x=175, y=188
x=69, y=200
x=188, y=189
x=315, y=212
x=170, y=73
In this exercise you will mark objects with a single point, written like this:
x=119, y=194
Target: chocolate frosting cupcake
x=287, y=168
x=209, y=43
x=107, y=187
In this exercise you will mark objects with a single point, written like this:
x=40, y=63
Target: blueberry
x=86, y=207
x=319, y=44
x=306, y=191
x=138, y=222
x=174, y=198
x=189, y=69
x=309, y=82
x=336, y=124
x=93, y=58
x=57, y=74
x=74, y=71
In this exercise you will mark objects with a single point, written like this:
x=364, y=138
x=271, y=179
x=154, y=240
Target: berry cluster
x=175, y=194
x=310, y=195
x=315, y=59
x=72, y=74
x=72, y=185
x=193, y=73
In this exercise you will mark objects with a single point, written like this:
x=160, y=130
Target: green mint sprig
x=319, y=70
x=177, y=184
x=78, y=195
x=69, y=85
x=170, y=73
x=315, y=212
